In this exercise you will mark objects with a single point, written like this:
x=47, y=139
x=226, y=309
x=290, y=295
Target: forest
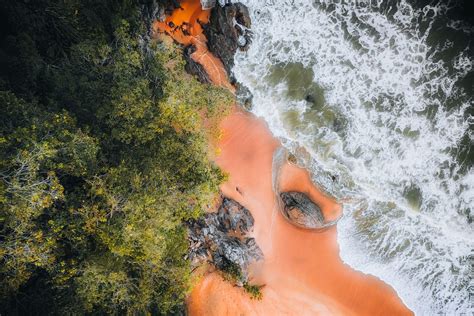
x=103, y=158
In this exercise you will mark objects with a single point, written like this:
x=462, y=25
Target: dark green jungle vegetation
x=102, y=157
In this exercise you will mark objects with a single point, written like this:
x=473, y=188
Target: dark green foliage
x=102, y=157
x=233, y=273
x=253, y=290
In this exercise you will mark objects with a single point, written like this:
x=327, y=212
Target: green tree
x=103, y=155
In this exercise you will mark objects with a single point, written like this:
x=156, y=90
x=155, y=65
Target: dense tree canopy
x=102, y=157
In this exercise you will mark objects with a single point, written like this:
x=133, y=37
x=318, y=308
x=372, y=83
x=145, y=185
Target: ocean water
x=376, y=99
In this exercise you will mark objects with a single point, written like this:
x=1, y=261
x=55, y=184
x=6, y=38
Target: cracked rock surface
x=220, y=237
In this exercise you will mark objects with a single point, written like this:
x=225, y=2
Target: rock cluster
x=220, y=237
x=208, y=4
x=227, y=31
x=301, y=211
x=244, y=96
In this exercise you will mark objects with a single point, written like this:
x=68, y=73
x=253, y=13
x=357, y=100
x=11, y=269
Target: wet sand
x=302, y=272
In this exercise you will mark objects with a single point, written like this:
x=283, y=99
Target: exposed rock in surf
x=227, y=31
x=244, y=96
x=220, y=237
x=193, y=67
x=208, y=4
x=300, y=210
x=310, y=98
x=292, y=159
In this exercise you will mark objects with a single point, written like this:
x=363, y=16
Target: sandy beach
x=301, y=273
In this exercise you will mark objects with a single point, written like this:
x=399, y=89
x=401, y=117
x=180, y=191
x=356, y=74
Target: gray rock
x=244, y=97
x=232, y=249
x=242, y=41
x=208, y=4
x=301, y=211
x=234, y=217
x=253, y=249
x=237, y=251
x=229, y=25
x=220, y=237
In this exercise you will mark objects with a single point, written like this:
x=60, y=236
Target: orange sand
x=190, y=18
x=302, y=271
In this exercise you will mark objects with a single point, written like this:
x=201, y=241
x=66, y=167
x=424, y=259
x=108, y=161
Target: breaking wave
x=375, y=105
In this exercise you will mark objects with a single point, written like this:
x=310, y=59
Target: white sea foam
x=380, y=79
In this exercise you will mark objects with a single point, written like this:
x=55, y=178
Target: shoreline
x=302, y=272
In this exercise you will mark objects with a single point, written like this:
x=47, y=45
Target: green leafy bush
x=254, y=291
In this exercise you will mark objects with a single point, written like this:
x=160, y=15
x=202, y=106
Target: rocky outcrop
x=193, y=67
x=220, y=237
x=243, y=96
x=227, y=31
x=208, y=4
x=301, y=211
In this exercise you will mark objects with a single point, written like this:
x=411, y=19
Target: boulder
x=234, y=217
x=301, y=211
